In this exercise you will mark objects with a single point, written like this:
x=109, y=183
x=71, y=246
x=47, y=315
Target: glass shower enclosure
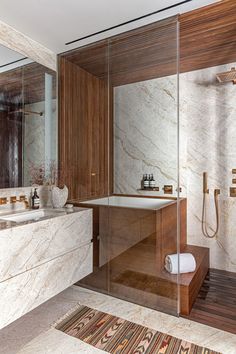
x=133, y=184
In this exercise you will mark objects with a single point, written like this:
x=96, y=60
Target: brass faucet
x=3, y=201
x=22, y=199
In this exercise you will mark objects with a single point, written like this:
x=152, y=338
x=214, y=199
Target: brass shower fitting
x=216, y=194
x=205, y=187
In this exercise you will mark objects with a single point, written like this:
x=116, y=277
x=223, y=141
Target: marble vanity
x=40, y=256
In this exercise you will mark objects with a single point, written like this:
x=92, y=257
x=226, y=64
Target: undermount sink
x=30, y=215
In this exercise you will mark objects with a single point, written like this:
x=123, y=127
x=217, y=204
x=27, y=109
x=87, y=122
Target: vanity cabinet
x=38, y=260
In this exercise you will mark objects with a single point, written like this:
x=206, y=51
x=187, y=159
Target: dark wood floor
x=216, y=302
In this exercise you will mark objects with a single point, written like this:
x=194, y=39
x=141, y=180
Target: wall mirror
x=28, y=120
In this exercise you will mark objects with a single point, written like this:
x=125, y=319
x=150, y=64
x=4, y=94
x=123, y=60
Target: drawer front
x=26, y=291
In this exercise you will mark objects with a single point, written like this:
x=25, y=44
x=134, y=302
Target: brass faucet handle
x=13, y=199
x=168, y=189
x=3, y=201
x=22, y=198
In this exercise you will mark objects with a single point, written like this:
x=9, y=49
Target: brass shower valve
x=168, y=189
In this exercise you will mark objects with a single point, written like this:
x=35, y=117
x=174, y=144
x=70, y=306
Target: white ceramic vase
x=59, y=196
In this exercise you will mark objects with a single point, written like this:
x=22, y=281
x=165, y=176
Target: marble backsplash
x=145, y=127
x=43, y=192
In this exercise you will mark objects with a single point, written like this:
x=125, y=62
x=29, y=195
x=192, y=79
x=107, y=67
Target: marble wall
x=145, y=131
x=40, y=259
x=34, y=139
x=146, y=142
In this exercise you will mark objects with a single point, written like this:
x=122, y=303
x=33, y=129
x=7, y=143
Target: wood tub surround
x=132, y=244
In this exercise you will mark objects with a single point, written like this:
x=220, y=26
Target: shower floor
x=216, y=302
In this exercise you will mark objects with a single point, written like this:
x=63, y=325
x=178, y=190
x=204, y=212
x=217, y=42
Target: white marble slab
x=25, y=292
x=146, y=142
x=28, y=246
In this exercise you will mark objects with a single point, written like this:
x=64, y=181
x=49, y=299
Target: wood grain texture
x=11, y=129
x=207, y=38
x=215, y=305
x=141, y=54
x=83, y=132
x=26, y=82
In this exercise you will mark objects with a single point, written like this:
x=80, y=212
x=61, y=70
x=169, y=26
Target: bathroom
x=126, y=141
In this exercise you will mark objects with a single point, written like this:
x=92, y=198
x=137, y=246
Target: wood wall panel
x=83, y=132
x=144, y=53
x=11, y=150
x=27, y=81
x=207, y=38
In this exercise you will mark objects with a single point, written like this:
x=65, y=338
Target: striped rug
x=116, y=335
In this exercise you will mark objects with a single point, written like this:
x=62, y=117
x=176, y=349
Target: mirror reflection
x=28, y=120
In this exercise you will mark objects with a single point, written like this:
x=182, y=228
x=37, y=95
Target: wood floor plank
x=216, y=302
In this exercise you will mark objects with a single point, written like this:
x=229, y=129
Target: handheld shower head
x=205, y=187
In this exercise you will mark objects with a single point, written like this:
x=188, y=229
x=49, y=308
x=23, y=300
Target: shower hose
x=204, y=224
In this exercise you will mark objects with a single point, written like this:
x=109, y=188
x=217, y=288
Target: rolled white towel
x=187, y=263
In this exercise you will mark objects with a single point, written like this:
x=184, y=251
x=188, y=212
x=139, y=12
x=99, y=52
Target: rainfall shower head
x=228, y=76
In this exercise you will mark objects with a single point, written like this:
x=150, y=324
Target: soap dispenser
x=35, y=200
x=152, y=182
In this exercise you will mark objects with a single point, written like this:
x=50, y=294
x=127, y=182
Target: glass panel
x=28, y=121
x=143, y=206
x=40, y=124
x=11, y=104
x=127, y=123
x=88, y=94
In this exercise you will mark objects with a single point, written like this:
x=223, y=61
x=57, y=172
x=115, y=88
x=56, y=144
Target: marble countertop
x=7, y=224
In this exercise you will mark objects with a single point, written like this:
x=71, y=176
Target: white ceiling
x=55, y=22
x=8, y=56
x=9, y=59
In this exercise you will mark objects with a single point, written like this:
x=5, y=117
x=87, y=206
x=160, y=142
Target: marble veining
x=32, y=333
x=32, y=244
x=145, y=128
x=40, y=259
x=28, y=290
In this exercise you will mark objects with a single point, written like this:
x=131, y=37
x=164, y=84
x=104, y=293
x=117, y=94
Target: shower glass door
x=125, y=99
x=142, y=217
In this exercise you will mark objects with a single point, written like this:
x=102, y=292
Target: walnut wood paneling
x=28, y=82
x=144, y=53
x=83, y=131
x=11, y=149
x=207, y=38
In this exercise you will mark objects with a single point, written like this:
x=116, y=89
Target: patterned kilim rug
x=116, y=335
